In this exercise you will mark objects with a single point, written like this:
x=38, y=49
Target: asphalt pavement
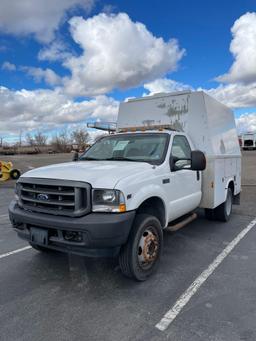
x=58, y=296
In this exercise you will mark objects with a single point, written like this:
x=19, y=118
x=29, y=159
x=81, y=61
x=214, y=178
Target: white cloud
x=118, y=53
x=235, y=95
x=95, y=134
x=165, y=85
x=246, y=123
x=8, y=66
x=57, y=50
x=243, y=48
x=37, y=17
x=39, y=75
x=49, y=109
x=232, y=95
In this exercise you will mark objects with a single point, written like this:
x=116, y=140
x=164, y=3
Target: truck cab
x=121, y=194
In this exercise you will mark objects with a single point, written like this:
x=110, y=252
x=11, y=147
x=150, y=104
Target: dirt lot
x=27, y=162
x=65, y=297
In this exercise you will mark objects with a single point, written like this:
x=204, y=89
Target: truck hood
x=100, y=174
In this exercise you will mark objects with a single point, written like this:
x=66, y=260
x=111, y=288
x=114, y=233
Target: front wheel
x=140, y=256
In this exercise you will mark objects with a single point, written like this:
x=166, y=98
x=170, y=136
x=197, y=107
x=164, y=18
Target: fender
x=147, y=192
x=230, y=179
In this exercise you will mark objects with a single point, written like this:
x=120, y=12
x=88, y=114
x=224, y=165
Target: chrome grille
x=59, y=197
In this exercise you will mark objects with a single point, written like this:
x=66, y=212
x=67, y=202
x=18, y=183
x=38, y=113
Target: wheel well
x=155, y=207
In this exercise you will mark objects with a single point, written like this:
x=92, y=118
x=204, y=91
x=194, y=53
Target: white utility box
x=209, y=124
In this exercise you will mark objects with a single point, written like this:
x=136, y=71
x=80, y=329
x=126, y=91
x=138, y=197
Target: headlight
x=108, y=200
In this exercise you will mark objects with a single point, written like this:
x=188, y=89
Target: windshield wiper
x=116, y=158
x=91, y=159
x=122, y=158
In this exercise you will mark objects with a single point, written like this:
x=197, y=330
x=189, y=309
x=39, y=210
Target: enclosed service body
x=209, y=125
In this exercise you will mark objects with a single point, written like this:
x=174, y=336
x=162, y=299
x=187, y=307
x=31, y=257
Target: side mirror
x=173, y=160
x=75, y=156
x=198, y=160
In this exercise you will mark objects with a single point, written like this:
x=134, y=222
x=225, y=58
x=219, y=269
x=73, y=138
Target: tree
x=40, y=139
x=61, y=141
x=80, y=136
x=30, y=139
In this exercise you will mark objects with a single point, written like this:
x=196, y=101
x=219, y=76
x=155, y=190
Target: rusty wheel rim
x=148, y=249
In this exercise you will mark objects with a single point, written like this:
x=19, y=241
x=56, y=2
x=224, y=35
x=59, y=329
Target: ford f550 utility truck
x=171, y=154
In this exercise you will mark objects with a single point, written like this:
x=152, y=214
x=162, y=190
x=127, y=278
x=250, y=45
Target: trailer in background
x=248, y=141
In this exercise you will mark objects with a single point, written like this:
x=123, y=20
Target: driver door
x=185, y=185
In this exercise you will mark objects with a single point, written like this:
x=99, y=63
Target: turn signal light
x=122, y=208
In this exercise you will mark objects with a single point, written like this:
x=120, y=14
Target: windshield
x=144, y=147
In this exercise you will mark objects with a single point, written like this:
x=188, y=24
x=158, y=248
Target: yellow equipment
x=7, y=171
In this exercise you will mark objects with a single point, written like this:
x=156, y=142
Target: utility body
x=171, y=154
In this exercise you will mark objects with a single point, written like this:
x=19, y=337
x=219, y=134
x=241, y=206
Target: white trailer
x=248, y=141
x=172, y=154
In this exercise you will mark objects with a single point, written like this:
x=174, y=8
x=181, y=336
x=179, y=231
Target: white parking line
x=15, y=251
x=190, y=292
x=4, y=218
x=4, y=215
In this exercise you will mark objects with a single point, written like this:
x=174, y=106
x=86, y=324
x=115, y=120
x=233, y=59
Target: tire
x=223, y=212
x=140, y=256
x=209, y=213
x=15, y=174
x=40, y=248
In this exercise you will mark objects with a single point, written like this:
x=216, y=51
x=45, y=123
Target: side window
x=182, y=150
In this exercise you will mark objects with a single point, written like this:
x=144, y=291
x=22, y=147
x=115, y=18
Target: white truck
x=171, y=154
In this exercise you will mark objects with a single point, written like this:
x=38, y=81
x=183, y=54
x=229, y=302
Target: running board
x=182, y=223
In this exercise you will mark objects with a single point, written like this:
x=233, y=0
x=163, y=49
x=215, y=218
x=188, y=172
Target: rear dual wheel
x=140, y=256
x=223, y=211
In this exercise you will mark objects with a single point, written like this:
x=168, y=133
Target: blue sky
x=64, y=62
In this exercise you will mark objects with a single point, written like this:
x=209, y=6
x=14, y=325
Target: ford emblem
x=43, y=197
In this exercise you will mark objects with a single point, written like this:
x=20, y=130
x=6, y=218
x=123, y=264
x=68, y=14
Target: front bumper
x=100, y=234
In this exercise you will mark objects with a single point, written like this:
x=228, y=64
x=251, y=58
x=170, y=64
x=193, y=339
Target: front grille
x=59, y=197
